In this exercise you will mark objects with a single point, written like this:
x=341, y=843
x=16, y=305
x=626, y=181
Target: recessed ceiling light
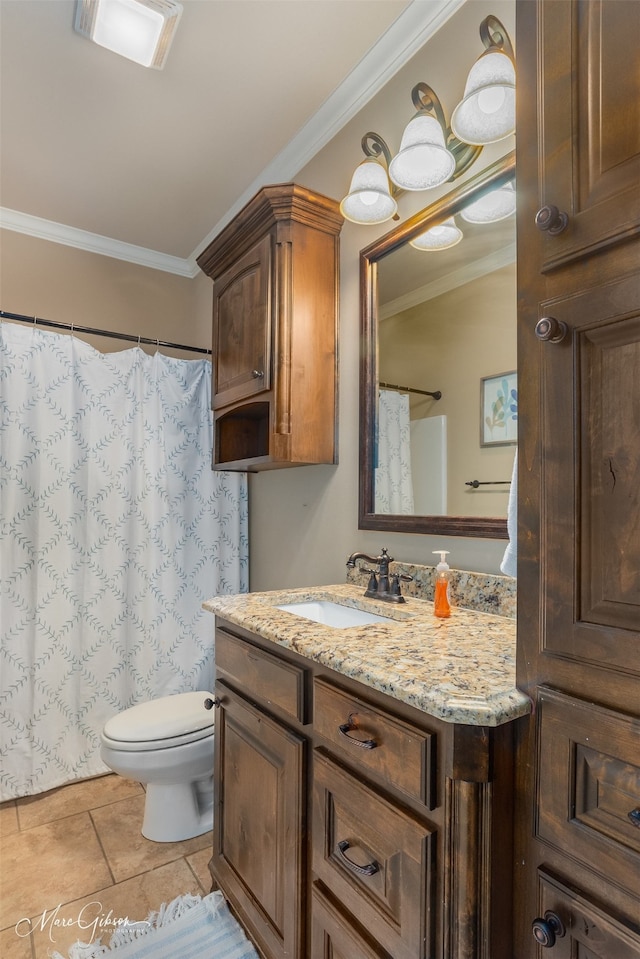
x=140, y=30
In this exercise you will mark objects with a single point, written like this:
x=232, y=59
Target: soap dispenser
x=441, y=602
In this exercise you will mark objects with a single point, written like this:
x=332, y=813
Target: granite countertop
x=460, y=670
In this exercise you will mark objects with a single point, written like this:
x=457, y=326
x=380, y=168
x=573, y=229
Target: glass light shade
x=369, y=199
x=439, y=237
x=487, y=112
x=493, y=206
x=140, y=30
x=423, y=160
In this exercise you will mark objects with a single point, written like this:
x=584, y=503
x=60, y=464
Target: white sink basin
x=333, y=614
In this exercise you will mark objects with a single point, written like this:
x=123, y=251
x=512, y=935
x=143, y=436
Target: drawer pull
x=345, y=728
x=370, y=869
x=545, y=931
x=634, y=816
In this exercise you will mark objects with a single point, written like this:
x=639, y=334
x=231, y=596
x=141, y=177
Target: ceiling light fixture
x=487, y=112
x=371, y=196
x=440, y=237
x=140, y=30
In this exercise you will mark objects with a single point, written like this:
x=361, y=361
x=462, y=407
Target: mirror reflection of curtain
x=393, y=485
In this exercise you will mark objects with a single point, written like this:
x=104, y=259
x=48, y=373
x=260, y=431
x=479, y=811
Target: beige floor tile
x=13, y=946
x=50, y=864
x=74, y=798
x=199, y=862
x=8, y=818
x=128, y=852
x=133, y=899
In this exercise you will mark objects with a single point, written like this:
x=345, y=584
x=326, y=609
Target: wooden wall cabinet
x=578, y=819
x=275, y=309
x=329, y=848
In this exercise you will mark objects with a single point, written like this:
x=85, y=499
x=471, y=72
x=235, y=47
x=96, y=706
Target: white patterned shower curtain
x=393, y=483
x=113, y=531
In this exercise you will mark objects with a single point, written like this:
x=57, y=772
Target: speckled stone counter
x=460, y=670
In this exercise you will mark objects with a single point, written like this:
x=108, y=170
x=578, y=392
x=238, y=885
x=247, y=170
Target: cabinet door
x=571, y=926
x=242, y=312
x=258, y=825
x=590, y=123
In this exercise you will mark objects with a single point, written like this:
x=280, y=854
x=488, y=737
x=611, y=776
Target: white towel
x=509, y=564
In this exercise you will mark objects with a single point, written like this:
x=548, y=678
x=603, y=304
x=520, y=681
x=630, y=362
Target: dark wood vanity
x=350, y=824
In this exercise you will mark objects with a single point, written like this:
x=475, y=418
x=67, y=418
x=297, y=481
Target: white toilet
x=167, y=745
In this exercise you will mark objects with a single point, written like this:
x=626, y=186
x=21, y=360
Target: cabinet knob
x=549, y=219
x=547, y=930
x=550, y=330
x=634, y=816
x=257, y=374
x=210, y=703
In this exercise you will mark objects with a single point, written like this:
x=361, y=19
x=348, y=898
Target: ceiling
x=148, y=165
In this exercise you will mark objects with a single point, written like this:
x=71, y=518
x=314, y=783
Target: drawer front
x=572, y=926
x=401, y=755
x=334, y=936
x=261, y=676
x=589, y=786
x=377, y=860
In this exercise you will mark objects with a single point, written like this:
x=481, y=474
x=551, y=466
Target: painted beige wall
x=303, y=522
x=67, y=285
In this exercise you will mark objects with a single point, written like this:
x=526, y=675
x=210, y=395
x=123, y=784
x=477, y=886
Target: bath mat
x=190, y=927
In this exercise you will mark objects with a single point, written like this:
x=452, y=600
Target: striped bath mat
x=187, y=928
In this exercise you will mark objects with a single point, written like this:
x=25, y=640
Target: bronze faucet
x=380, y=586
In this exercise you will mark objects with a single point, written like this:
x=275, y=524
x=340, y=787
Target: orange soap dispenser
x=441, y=603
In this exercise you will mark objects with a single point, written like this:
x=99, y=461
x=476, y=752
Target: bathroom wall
x=303, y=522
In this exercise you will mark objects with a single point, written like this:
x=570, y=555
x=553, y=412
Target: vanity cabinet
x=348, y=824
x=275, y=294
x=578, y=821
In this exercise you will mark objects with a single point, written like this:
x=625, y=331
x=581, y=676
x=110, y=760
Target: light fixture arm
x=374, y=146
x=426, y=101
x=494, y=36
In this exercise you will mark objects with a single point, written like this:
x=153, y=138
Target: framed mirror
x=438, y=373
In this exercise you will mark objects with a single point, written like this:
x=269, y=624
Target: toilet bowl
x=167, y=745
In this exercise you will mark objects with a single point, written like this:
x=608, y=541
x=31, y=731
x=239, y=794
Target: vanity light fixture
x=140, y=30
x=371, y=195
x=440, y=237
x=487, y=112
x=493, y=206
x=429, y=153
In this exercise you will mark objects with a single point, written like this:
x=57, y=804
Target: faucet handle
x=395, y=584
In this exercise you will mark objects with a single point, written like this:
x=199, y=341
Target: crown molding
x=94, y=243
x=465, y=274
x=407, y=34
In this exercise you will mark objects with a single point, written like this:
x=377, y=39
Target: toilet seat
x=161, y=723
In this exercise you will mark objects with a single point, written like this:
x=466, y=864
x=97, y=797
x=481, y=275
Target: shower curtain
x=393, y=483
x=113, y=531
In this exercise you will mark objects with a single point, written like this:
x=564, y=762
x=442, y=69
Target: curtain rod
x=72, y=328
x=409, y=389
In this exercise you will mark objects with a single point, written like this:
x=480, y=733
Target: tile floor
x=73, y=860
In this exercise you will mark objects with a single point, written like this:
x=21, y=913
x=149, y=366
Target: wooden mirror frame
x=496, y=175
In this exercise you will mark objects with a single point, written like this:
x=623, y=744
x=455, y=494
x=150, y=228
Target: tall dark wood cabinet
x=577, y=864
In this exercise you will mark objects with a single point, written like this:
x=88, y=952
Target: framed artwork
x=499, y=409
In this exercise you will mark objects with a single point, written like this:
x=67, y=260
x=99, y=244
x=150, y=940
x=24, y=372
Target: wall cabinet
x=577, y=827
x=275, y=295
x=350, y=825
